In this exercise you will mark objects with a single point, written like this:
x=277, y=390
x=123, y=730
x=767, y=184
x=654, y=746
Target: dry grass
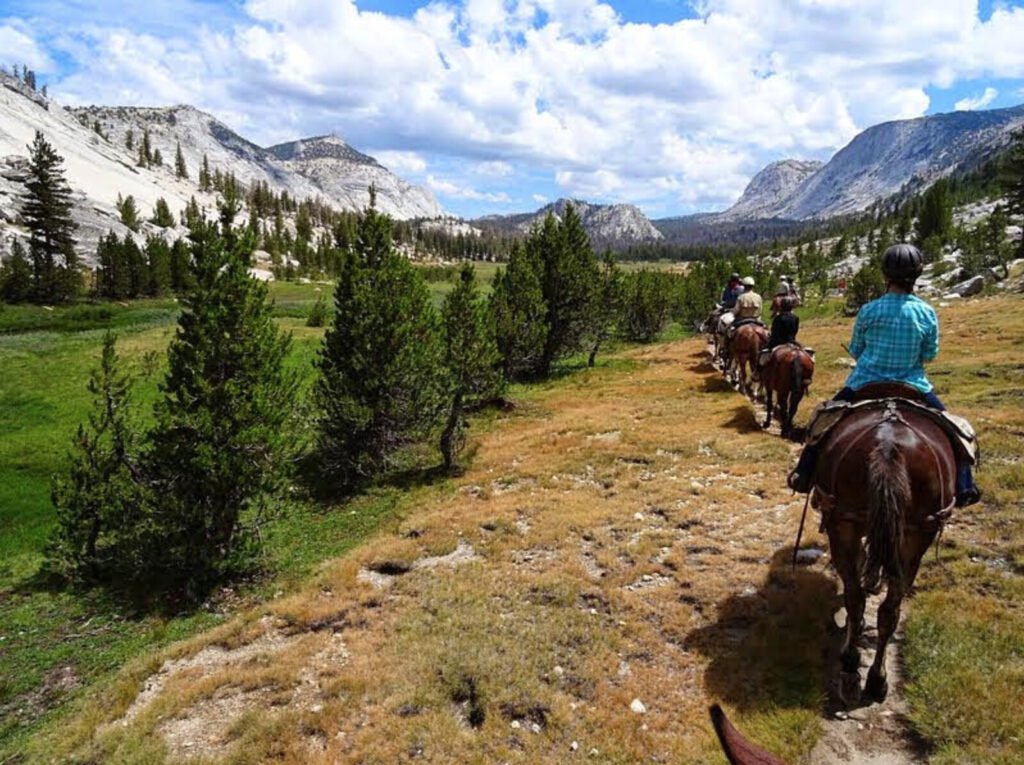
x=625, y=535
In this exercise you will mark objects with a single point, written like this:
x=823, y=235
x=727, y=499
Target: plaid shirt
x=892, y=339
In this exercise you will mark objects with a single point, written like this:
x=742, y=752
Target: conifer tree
x=646, y=305
x=569, y=282
x=158, y=259
x=519, y=314
x=112, y=280
x=379, y=386
x=607, y=305
x=100, y=497
x=135, y=263
x=128, y=210
x=129, y=139
x=158, y=158
x=1012, y=181
x=180, y=168
x=47, y=215
x=162, y=214
x=204, y=175
x=471, y=358
x=181, y=276
x=16, y=275
x=935, y=220
x=219, y=443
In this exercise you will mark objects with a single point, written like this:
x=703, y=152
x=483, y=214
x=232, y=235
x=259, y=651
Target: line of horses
x=781, y=383
x=884, y=484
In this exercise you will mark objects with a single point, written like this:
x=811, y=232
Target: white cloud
x=401, y=162
x=19, y=48
x=540, y=198
x=684, y=113
x=971, y=103
x=456, y=191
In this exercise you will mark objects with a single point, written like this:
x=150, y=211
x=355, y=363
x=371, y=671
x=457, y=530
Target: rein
x=800, y=531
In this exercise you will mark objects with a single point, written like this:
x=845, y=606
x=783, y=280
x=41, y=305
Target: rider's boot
x=801, y=479
x=966, y=492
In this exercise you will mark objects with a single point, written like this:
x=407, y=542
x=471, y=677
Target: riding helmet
x=747, y=281
x=902, y=263
x=786, y=304
x=734, y=277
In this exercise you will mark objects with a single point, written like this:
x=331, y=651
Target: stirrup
x=967, y=497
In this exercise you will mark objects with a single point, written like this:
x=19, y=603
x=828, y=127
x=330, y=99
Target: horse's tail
x=796, y=384
x=889, y=499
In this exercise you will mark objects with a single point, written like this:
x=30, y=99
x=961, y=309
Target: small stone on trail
x=695, y=487
x=316, y=709
x=841, y=714
x=535, y=727
x=594, y=752
x=574, y=746
x=559, y=671
x=637, y=707
x=515, y=725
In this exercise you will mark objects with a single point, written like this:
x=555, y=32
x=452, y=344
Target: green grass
x=42, y=400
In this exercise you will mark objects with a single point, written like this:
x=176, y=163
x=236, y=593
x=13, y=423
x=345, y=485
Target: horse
x=737, y=748
x=745, y=347
x=885, y=481
x=787, y=374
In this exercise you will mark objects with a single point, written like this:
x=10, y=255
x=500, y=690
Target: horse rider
x=731, y=292
x=748, y=305
x=893, y=337
x=785, y=325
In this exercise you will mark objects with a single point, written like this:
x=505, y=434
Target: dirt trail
x=615, y=559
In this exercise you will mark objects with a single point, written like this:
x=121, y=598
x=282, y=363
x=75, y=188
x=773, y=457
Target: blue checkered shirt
x=892, y=339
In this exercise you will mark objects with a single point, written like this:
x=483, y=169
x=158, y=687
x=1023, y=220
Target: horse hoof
x=876, y=688
x=850, y=661
x=848, y=689
x=766, y=424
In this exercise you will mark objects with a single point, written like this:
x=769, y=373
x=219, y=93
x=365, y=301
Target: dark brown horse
x=884, y=482
x=738, y=750
x=744, y=349
x=787, y=376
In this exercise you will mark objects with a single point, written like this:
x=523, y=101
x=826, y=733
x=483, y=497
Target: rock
x=971, y=287
x=515, y=725
x=534, y=727
x=951, y=296
x=574, y=746
x=809, y=555
x=559, y=671
x=637, y=707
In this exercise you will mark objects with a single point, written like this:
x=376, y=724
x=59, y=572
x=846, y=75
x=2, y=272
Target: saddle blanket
x=960, y=431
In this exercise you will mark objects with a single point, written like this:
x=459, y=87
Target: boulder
x=971, y=287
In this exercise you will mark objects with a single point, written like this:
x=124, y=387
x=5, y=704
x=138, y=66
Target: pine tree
x=158, y=259
x=935, y=220
x=100, y=497
x=47, y=215
x=180, y=168
x=204, y=175
x=1012, y=181
x=158, y=158
x=129, y=211
x=16, y=275
x=129, y=139
x=181, y=274
x=471, y=358
x=113, y=280
x=646, y=305
x=607, y=305
x=569, y=284
x=219, y=443
x=380, y=385
x=135, y=263
x=162, y=214
x=519, y=314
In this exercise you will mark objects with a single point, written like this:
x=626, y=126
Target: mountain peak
x=330, y=146
x=770, y=187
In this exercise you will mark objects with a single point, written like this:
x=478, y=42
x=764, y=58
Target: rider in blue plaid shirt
x=893, y=337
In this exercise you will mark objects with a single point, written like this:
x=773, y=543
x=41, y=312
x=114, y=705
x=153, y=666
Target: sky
x=500, y=106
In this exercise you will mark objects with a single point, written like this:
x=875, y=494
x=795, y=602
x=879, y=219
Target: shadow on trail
x=768, y=649
x=744, y=419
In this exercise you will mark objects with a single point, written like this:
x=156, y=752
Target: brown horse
x=738, y=750
x=787, y=375
x=885, y=481
x=744, y=349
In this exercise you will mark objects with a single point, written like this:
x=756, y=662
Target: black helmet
x=734, y=277
x=786, y=304
x=902, y=263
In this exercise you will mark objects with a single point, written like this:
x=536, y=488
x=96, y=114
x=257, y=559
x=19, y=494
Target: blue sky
x=502, y=105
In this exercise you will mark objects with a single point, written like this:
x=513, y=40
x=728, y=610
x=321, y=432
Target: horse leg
x=768, y=405
x=877, y=686
x=845, y=545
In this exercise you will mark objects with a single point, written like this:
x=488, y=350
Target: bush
x=318, y=313
x=866, y=285
x=646, y=306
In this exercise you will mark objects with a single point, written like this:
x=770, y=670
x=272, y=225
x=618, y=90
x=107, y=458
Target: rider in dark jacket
x=785, y=325
x=732, y=291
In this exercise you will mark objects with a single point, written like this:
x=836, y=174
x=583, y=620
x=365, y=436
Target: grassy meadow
x=623, y=534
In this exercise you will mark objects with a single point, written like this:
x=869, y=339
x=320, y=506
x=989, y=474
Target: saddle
x=894, y=396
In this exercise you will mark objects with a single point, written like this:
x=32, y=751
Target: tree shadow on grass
x=769, y=649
